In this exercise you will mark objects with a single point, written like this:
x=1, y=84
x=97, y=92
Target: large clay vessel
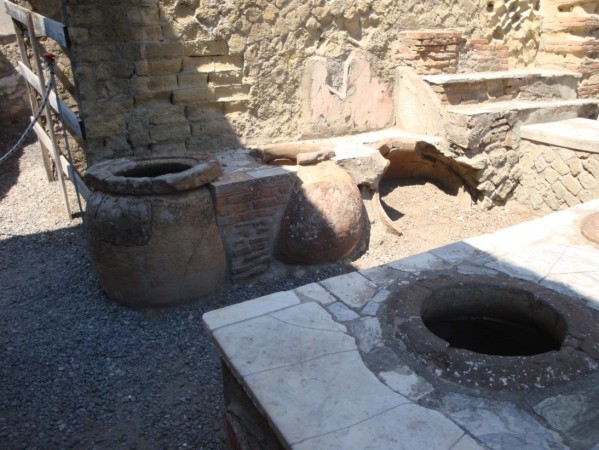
x=151, y=230
x=324, y=219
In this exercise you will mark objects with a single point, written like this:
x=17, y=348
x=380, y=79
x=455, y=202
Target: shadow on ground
x=79, y=371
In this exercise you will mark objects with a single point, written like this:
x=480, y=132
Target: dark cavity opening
x=492, y=321
x=155, y=170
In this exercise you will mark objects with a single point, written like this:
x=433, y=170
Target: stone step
x=501, y=86
x=577, y=134
x=475, y=126
x=533, y=111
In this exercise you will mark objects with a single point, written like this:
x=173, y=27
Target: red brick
x=237, y=208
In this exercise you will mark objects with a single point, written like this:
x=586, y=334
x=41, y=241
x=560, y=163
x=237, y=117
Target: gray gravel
x=78, y=371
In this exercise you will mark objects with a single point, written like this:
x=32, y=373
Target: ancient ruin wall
x=169, y=76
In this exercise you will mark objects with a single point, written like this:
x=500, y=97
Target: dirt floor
x=427, y=218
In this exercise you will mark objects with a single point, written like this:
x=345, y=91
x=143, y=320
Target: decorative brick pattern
x=556, y=178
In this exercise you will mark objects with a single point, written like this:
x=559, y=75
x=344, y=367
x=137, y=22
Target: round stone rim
x=406, y=333
x=106, y=176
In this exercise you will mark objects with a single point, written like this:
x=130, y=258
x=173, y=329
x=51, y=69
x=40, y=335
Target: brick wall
x=479, y=55
x=431, y=52
x=248, y=210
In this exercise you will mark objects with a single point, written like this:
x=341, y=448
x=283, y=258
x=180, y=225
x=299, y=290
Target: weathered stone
x=571, y=184
x=364, y=164
x=358, y=101
x=151, y=231
x=324, y=218
x=418, y=109
x=310, y=158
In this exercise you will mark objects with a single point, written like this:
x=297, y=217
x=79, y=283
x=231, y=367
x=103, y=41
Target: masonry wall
x=170, y=76
x=14, y=106
x=556, y=178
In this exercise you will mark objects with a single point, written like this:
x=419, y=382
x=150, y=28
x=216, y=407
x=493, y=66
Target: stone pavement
x=316, y=362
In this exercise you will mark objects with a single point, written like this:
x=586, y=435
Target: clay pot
x=324, y=219
x=151, y=231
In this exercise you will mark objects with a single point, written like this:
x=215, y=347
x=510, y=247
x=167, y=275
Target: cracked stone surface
x=316, y=364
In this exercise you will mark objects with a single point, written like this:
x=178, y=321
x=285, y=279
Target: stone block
x=234, y=91
x=587, y=181
x=575, y=165
x=551, y=175
x=168, y=132
x=143, y=16
x=560, y=167
x=227, y=77
x=161, y=66
x=192, y=96
x=147, y=33
x=85, y=14
x=168, y=114
x=152, y=99
x=157, y=83
x=101, y=126
x=592, y=166
x=571, y=184
x=163, y=50
x=206, y=48
x=192, y=80
x=559, y=190
x=571, y=200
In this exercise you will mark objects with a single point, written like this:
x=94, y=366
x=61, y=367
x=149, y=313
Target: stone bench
x=486, y=87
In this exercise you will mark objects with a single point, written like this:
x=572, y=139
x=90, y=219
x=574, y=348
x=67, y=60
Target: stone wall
x=14, y=105
x=555, y=178
x=570, y=40
x=170, y=76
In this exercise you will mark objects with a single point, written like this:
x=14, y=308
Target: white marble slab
x=353, y=289
x=315, y=292
x=500, y=425
x=282, y=338
x=418, y=263
x=406, y=427
x=321, y=395
x=250, y=309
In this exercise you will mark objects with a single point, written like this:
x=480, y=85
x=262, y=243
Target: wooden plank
x=73, y=175
x=74, y=123
x=33, y=103
x=43, y=26
x=42, y=136
x=70, y=172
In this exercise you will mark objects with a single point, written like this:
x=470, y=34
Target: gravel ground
x=79, y=371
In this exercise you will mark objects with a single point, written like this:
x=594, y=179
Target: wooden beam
x=73, y=175
x=43, y=26
x=42, y=136
x=70, y=172
x=74, y=123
